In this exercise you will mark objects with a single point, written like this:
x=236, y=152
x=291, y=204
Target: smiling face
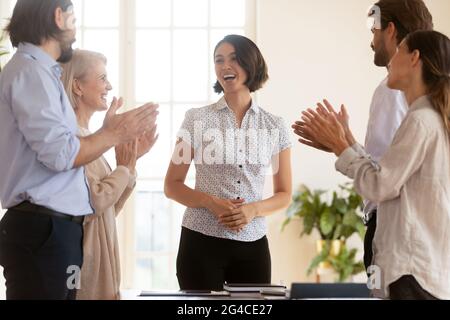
x=94, y=87
x=231, y=76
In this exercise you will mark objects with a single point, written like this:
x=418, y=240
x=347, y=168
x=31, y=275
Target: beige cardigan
x=109, y=190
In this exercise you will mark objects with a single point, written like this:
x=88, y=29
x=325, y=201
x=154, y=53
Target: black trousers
x=205, y=263
x=368, y=240
x=40, y=255
x=407, y=288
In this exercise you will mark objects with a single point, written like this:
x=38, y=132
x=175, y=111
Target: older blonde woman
x=87, y=86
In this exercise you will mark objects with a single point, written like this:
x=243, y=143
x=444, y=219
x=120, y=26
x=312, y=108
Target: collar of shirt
x=222, y=104
x=40, y=56
x=420, y=103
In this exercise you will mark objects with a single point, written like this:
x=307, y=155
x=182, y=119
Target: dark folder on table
x=329, y=291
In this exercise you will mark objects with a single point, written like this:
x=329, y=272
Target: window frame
x=126, y=223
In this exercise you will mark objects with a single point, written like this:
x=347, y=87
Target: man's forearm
x=93, y=147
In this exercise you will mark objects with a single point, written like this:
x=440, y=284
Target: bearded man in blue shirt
x=42, y=181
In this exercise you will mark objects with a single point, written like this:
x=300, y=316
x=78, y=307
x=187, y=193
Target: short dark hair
x=407, y=15
x=34, y=21
x=249, y=57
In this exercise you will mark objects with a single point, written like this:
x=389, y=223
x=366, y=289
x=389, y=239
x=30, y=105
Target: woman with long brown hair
x=412, y=181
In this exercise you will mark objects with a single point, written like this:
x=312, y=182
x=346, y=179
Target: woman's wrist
x=340, y=147
x=121, y=165
x=108, y=136
x=132, y=170
x=350, y=138
x=255, y=209
x=207, y=201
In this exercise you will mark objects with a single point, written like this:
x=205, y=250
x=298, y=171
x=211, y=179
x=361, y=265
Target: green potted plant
x=336, y=220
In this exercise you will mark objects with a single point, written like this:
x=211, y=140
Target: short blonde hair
x=79, y=67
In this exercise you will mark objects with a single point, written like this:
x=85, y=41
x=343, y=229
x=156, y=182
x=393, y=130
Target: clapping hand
x=325, y=115
x=126, y=155
x=128, y=126
x=326, y=130
x=146, y=142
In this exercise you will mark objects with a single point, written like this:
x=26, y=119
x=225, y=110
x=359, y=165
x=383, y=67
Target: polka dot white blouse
x=232, y=162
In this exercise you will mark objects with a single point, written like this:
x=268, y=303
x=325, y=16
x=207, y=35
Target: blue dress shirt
x=38, y=140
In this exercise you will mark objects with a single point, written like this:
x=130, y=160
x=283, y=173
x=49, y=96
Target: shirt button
x=241, y=166
x=239, y=182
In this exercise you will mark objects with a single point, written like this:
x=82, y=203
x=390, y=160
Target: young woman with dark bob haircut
x=232, y=142
x=411, y=183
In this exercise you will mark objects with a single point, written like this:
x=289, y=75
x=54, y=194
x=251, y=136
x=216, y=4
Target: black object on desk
x=329, y=291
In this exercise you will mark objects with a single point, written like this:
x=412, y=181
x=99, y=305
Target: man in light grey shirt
x=42, y=176
x=392, y=22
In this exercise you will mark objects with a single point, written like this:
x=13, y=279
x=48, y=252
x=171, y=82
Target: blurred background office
x=161, y=50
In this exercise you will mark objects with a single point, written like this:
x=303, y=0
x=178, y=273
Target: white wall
x=4, y=8
x=317, y=49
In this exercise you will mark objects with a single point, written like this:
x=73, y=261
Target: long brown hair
x=434, y=48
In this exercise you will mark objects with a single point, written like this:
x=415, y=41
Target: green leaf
x=341, y=206
x=327, y=222
x=338, y=232
x=361, y=229
x=351, y=218
x=352, y=254
x=315, y=263
x=308, y=224
x=321, y=257
x=347, y=231
x=308, y=209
